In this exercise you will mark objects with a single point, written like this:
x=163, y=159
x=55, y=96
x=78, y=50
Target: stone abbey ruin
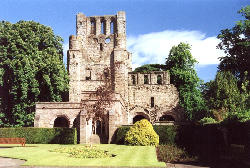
x=97, y=60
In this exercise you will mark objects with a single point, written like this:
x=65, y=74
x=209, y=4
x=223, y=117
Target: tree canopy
x=31, y=70
x=180, y=64
x=151, y=67
x=236, y=44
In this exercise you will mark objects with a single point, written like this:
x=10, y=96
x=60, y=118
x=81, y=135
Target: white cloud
x=65, y=49
x=154, y=47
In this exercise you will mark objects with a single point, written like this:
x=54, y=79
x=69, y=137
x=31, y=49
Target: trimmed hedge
x=41, y=135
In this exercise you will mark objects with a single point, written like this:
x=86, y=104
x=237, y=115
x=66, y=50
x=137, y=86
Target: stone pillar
x=107, y=26
x=83, y=131
x=121, y=30
x=98, y=26
x=112, y=125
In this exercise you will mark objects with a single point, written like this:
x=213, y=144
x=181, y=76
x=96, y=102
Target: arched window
x=112, y=27
x=159, y=79
x=61, y=122
x=102, y=27
x=146, y=81
x=133, y=79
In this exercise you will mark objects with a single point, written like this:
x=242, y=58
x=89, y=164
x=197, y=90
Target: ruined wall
x=155, y=93
x=100, y=43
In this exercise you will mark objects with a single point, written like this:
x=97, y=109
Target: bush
x=172, y=153
x=207, y=120
x=41, y=135
x=120, y=134
x=167, y=133
x=142, y=134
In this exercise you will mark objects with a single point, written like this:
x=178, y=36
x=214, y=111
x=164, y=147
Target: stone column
x=107, y=26
x=112, y=125
x=98, y=26
x=83, y=137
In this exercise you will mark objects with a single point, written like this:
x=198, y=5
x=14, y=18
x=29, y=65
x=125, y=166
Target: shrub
x=142, y=134
x=41, y=135
x=167, y=133
x=207, y=120
x=120, y=134
x=171, y=153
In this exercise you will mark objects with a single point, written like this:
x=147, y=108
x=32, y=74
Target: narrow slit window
x=159, y=79
x=133, y=79
x=152, y=101
x=146, y=79
x=88, y=75
x=112, y=27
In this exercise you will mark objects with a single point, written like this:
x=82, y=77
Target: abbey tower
x=99, y=49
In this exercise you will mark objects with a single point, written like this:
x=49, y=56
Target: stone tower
x=100, y=43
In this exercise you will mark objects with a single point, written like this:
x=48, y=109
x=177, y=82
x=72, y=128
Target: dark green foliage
x=120, y=134
x=207, y=120
x=31, y=70
x=150, y=68
x=142, y=134
x=225, y=99
x=42, y=135
x=180, y=64
x=167, y=133
x=172, y=153
x=236, y=44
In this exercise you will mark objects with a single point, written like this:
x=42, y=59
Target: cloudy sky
x=153, y=26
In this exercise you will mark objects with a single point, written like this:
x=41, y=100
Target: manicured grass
x=39, y=155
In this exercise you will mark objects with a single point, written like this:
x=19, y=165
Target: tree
x=150, y=68
x=180, y=64
x=236, y=44
x=31, y=70
x=224, y=98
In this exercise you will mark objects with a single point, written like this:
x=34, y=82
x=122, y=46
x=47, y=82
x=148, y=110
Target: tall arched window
x=102, y=27
x=159, y=79
x=133, y=79
x=112, y=27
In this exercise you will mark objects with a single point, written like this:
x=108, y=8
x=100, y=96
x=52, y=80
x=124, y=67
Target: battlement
x=152, y=78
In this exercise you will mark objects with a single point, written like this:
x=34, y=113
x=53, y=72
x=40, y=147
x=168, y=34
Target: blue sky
x=153, y=26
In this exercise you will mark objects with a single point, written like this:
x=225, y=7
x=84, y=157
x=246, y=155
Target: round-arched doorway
x=139, y=117
x=61, y=121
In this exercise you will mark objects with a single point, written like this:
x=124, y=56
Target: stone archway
x=61, y=121
x=139, y=116
x=167, y=117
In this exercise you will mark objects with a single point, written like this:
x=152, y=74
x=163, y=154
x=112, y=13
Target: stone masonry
x=100, y=44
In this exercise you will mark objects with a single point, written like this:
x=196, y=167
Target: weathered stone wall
x=156, y=95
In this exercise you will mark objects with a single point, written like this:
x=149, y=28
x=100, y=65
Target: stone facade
x=100, y=44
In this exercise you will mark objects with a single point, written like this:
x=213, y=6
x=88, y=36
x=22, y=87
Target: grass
x=40, y=155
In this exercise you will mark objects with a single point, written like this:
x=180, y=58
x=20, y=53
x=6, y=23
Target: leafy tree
x=224, y=98
x=31, y=70
x=236, y=44
x=150, y=68
x=180, y=64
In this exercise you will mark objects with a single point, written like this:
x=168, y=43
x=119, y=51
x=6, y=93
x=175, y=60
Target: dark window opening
x=101, y=47
x=88, y=75
x=159, y=80
x=112, y=27
x=166, y=118
x=145, y=79
x=92, y=30
x=133, y=79
x=98, y=127
x=152, y=101
x=61, y=122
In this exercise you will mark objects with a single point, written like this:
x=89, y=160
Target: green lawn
x=39, y=155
